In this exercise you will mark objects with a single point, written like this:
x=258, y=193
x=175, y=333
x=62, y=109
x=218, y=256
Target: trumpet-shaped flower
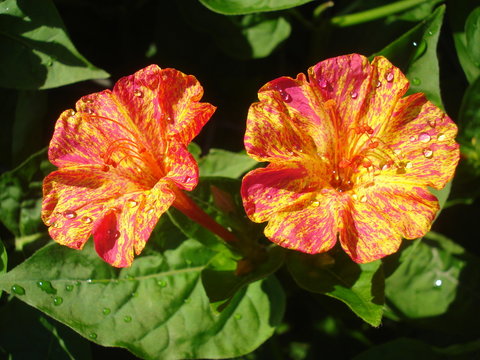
x=122, y=160
x=351, y=158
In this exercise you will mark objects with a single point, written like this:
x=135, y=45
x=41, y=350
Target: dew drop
x=78, y=283
x=162, y=283
x=416, y=81
x=89, y=281
x=237, y=316
x=355, y=197
x=429, y=33
x=269, y=197
x=127, y=318
x=363, y=199
x=150, y=211
x=57, y=300
x=389, y=76
x=105, y=168
x=187, y=301
x=69, y=214
x=106, y=311
x=87, y=220
x=46, y=286
x=354, y=95
x=315, y=203
x=441, y=137
x=72, y=113
x=379, y=83
x=113, y=233
x=132, y=203
x=69, y=287
x=414, y=43
x=285, y=96
x=424, y=137
x=322, y=83
x=428, y=153
x=17, y=289
x=408, y=165
x=432, y=123
x=413, y=138
x=90, y=111
x=92, y=336
x=138, y=93
x=397, y=151
x=385, y=166
x=438, y=283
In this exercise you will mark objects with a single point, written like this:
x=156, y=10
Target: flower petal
x=123, y=231
x=311, y=230
x=181, y=167
x=274, y=189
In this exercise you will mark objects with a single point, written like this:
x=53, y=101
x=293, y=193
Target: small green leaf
x=3, y=258
x=425, y=283
x=157, y=309
x=238, y=7
x=21, y=195
x=359, y=286
x=37, y=53
x=415, y=52
x=225, y=163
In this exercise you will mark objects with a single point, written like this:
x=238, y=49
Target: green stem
x=376, y=13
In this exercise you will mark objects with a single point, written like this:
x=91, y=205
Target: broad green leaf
x=426, y=280
x=242, y=37
x=157, y=309
x=36, y=50
x=21, y=324
x=415, y=53
x=463, y=18
x=238, y=7
x=472, y=33
x=195, y=150
x=21, y=195
x=225, y=163
x=417, y=13
x=359, y=286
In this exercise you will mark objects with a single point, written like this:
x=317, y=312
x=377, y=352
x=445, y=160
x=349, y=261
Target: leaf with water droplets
x=359, y=286
x=101, y=306
x=39, y=53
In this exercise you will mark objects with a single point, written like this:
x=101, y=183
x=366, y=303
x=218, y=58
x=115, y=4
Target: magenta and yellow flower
x=351, y=157
x=122, y=161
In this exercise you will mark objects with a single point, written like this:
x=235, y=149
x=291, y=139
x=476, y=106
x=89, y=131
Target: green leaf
x=157, y=309
x=46, y=338
x=472, y=33
x=359, y=286
x=21, y=195
x=37, y=53
x=425, y=282
x=415, y=53
x=238, y=7
x=225, y=163
x=400, y=349
x=463, y=17
x=3, y=258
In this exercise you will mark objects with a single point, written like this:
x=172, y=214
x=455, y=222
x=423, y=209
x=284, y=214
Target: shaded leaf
x=359, y=286
x=47, y=339
x=400, y=349
x=415, y=52
x=472, y=34
x=225, y=163
x=3, y=258
x=238, y=7
x=37, y=53
x=156, y=309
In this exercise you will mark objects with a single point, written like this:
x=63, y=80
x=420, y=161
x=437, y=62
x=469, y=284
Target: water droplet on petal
x=389, y=76
x=113, y=233
x=92, y=336
x=87, y=220
x=150, y=211
x=269, y=197
x=363, y=199
x=106, y=311
x=379, y=83
x=438, y=283
x=354, y=95
x=322, y=83
x=72, y=113
x=57, y=300
x=69, y=214
x=428, y=153
x=17, y=289
x=355, y=197
x=315, y=203
x=397, y=151
x=424, y=137
x=285, y=96
x=69, y=287
x=432, y=122
x=90, y=111
x=127, y=318
x=138, y=93
x=132, y=203
x=413, y=138
x=408, y=165
x=441, y=137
